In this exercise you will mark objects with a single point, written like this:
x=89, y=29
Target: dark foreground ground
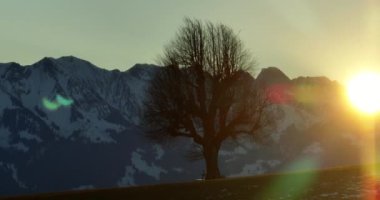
x=338, y=183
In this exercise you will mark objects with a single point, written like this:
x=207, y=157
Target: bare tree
x=205, y=91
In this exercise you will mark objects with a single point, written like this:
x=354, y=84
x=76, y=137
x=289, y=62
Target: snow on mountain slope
x=108, y=99
x=97, y=142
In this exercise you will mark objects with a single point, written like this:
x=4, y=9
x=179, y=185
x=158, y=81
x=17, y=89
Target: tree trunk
x=210, y=153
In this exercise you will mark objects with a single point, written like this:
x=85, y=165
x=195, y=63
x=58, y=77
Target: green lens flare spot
x=64, y=101
x=50, y=105
x=292, y=185
x=57, y=103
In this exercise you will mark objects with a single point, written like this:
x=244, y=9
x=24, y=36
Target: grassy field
x=338, y=183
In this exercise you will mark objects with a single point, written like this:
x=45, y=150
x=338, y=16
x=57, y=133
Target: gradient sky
x=333, y=38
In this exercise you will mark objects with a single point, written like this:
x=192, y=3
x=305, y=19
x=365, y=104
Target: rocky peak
x=271, y=75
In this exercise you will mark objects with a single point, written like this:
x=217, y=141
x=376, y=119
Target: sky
x=333, y=38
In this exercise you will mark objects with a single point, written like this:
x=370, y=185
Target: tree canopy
x=205, y=91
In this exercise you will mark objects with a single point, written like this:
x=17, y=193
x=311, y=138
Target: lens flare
x=64, y=101
x=363, y=92
x=279, y=93
x=50, y=105
x=293, y=185
x=308, y=94
x=57, y=103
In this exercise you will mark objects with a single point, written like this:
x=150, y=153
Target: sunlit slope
x=338, y=183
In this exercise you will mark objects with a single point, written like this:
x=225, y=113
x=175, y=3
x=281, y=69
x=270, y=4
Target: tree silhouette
x=205, y=91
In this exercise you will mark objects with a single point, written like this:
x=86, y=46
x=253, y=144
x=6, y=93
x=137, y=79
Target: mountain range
x=98, y=141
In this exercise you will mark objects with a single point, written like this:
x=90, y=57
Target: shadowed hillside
x=337, y=183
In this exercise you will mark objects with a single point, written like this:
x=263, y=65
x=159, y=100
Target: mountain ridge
x=74, y=59
x=97, y=141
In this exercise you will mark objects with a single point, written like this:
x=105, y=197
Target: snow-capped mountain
x=97, y=141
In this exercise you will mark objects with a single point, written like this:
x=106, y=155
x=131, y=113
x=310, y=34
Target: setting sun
x=364, y=92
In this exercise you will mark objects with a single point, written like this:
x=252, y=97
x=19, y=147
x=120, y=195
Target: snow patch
x=26, y=135
x=20, y=146
x=96, y=129
x=84, y=187
x=329, y=194
x=142, y=166
x=4, y=138
x=127, y=179
x=5, y=141
x=14, y=172
x=289, y=116
x=178, y=169
x=259, y=167
x=236, y=151
x=353, y=139
x=314, y=148
x=5, y=101
x=159, y=151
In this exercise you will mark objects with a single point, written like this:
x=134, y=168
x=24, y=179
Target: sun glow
x=364, y=92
